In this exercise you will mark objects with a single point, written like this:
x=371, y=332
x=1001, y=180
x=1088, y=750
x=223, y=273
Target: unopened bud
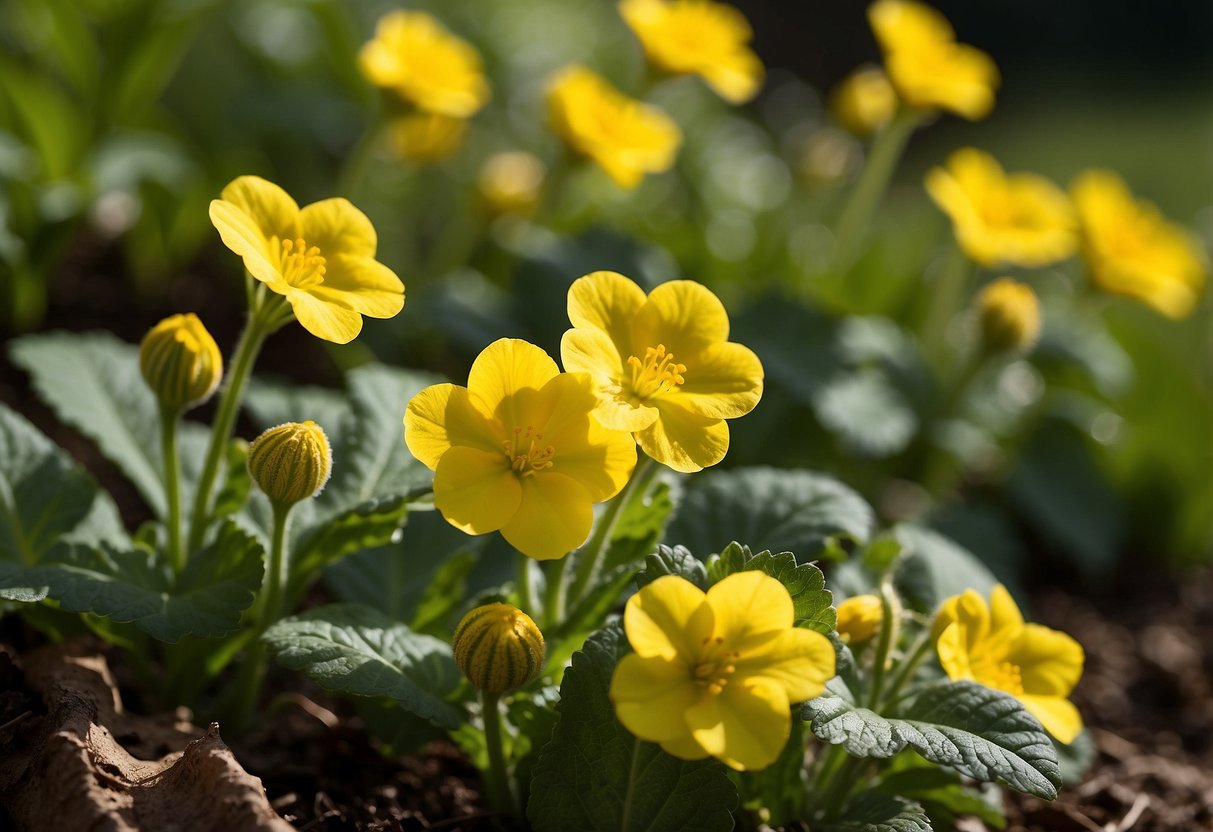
x=864, y=101
x=511, y=183
x=180, y=362
x=498, y=647
x=291, y=462
x=859, y=618
x=1008, y=316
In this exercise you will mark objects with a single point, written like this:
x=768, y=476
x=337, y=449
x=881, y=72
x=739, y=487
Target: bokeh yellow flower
x=625, y=137
x=927, y=67
x=321, y=258
x=715, y=673
x=1020, y=218
x=518, y=451
x=426, y=138
x=859, y=618
x=864, y=101
x=413, y=55
x=511, y=182
x=698, y=37
x=1008, y=316
x=991, y=645
x=1131, y=249
x=662, y=365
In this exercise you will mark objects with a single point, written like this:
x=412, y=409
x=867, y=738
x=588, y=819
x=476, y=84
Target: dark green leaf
x=445, y=592
x=367, y=526
x=933, y=568
x=805, y=582
x=875, y=812
x=673, y=560
x=781, y=787
x=640, y=525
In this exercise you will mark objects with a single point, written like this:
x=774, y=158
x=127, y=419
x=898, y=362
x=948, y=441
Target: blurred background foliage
x=121, y=119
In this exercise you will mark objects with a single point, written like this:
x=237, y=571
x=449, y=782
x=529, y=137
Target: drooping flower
x=1131, y=249
x=1020, y=218
x=625, y=137
x=993, y=646
x=715, y=673
x=1008, y=316
x=927, y=67
x=518, y=451
x=662, y=365
x=859, y=618
x=864, y=101
x=426, y=138
x=320, y=258
x=413, y=55
x=698, y=37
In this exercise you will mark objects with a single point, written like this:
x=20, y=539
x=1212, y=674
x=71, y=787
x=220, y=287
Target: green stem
x=908, y=667
x=592, y=554
x=277, y=570
x=498, y=783
x=889, y=611
x=172, y=486
x=527, y=598
x=625, y=816
x=945, y=297
x=358, y=165
x=555, y=600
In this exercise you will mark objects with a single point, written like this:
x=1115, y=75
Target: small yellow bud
x=180, y=362
x=859, y=618
x=291, y=462
x=426, y=138
x=864, y=101
x=1008, y=316
x=510, y=183
x=498, y=647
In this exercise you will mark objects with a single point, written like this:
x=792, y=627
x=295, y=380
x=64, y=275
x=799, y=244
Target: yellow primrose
x=927, y=67
x=859, y=618
x=425, y=138
x=663, y=367
x=864, y=101
x=321, y=258
x=1008, y=316
x=625, y=137
x=991, y=645
x=1131, y=249
x=425, y=65
x=1020, y=218
x=698, y=37
x=716, y=673
x=517, y=450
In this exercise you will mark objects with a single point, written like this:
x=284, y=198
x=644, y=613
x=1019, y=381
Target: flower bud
x=291, y=462
x=498, y=647
x=864, y=101
x=859, y=618
x=1008, y=316
x=426, y=138
x=180, y=362
x=511, y=183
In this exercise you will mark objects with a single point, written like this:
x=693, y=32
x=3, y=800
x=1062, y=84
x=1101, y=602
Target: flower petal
x=605, y=301
x=800, y=661
x=651, y=694
x=1057, y=714
x=476, y=491
x=364, y=285
x=1006, y=621
x=684, y=316
x=750, y=608
x=271, y=208
x=722, y=382
x=326, y=317
x=599, y=459
x=1050, y=662
x=670, y=618
x=553, y=518
x=337, y=228
x=502, y=369
x=746, y=726
x=241, y=233
x=440, y=416
x=684, y=747
x=682, y=439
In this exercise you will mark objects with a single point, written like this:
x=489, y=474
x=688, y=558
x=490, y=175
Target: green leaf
x=806, y=584
x=770, y=508
x=445, y=592
x=238, y=484
x=875, y=812
x=780, y=788
x=640, y=525
x=599, y=601
x=272, y=402
x=867, y=413
x=673, y=560
x=356, y=650
x=130, y=585
x=933, y=568
x=941, y=793
x=979, y=732
x=1076, y=758
x=366, y=526
x=594, y=775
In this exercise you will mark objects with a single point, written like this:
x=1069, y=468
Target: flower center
x=302, y=267
x=657, y=373
x=715, y=665
x=527, y=453
x=1004, y=676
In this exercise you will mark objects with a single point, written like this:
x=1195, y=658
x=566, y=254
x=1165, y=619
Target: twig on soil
x=442, y=824
x=15, y=720
x=1135, y=812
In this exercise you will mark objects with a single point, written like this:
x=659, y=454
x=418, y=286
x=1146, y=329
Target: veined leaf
x=366, y=526
x=806, y=584
x=875, y=812
x=673, y=560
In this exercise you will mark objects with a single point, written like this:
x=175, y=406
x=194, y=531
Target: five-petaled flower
x=517, y=450
x=991, y=645
x=716, y=673
x=625, y=137
x=698, y=37
x=662, y=365
x=321, y=258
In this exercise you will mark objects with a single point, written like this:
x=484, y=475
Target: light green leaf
x=675, y=560
x=272, y=402
x=366, y=526
x=356, y=650
x=594, y=775
x=867, y=413
x=979, y=732
x=875, y=812
x=640, y=525
x=770, y=508
x=445, y=593
x=932, y=568
x=805, y=582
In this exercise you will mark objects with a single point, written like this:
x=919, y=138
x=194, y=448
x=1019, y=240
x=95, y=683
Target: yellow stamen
x=302, y=267
x=526, y=453
x=715, y=666
x=657, y=373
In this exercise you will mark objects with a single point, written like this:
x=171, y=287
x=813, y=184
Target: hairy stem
x=172, y=486
x=498, y=784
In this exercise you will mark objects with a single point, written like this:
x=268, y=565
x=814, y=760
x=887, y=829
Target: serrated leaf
x=673, y=560
x=933, y=568
x=358, y=651
x=875, y=812
x=811, y=601
x=867, y=413
x=133, y=585
x=977, y=731
x=593, y=770
x=769, y=508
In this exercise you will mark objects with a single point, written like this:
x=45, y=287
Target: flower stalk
x=500, y=795
x=169, y=419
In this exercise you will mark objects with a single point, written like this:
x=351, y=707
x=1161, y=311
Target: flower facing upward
x=1008, y=316
x=625, y=137
x=517, y=450
x=991, y=645
x=859, y=618
x=928, y=68
x=716, y=673
x=1131, y=249
x=180, y=362
x=698, y=37
x=662, y=365
x=864, y=101
x=425, y=65
x=999, y=218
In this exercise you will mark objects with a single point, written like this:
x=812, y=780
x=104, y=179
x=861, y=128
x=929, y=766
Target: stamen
x=657, y=373
x=302, y=266
x=526, y=453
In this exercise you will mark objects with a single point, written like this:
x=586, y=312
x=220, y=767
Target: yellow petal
x=328, y=318
x=440, y=416
x=722, y=382
x=651, y=694
x=683, y=440
x=270, y=207
x=746, y=726
x=800, y=661
x=738, y=78
x=1050, y=662
x=669, y=618
x=953, y=652
x=475, y=490
x=1006, y=621
x=750, y=609
x=505, y=367
x=684, y=316
x=364, y=285
x=553, y=518
x=606, y=301
x=1057, y=714
x=684, y=748
x=337, y=228
x=242, y=235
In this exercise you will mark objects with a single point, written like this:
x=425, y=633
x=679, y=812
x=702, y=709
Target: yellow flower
x=991, y=645
x=625, y=137
x=1131, y=249
x=320, y=258
x=517, y=450
x=425, y=64
x=859, y=618
x=927, y=67
x=511, y=182
x=180, y=362
x=425, y=138
x=1008, y=316
x=698, y=37
x=864, y=101
x=999, y=218
x=716, y=673
x=662, y=365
